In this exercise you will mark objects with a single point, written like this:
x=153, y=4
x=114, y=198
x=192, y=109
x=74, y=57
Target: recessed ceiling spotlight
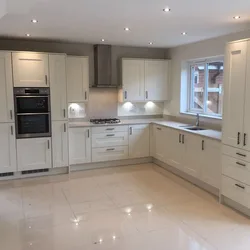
x=166, y=9
x=183, y=33
x=236, y=17
x=34, y=21
x=126, y=29
x=150, y=43
x=103, y=40
x=28, y=34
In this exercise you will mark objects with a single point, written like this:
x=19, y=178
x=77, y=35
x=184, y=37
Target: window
x=205, y=88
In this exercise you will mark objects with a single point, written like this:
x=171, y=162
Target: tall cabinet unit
x=77, y=78
x=7, y=127
x=236, y=124
x=30, y=69
x=59, y=114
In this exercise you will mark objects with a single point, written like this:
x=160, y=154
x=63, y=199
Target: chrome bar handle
x=48, y=144
x=238, y=138
x=85, y=94
x=65, y=127
x=46, y=79
x=11, y=114
x=130, y=131
x=64, y=113
x=88, y=133
x=202, y=145
x=125, y=94
x=11, y=130
x=244, y=139
x=146, y=94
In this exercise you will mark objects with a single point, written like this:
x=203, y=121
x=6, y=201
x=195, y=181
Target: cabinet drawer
x=139, y=126
x=109, y=139
x=107, y=129
x=236, y=191
x=236, y=153
x=109, y=153
x=237, y=169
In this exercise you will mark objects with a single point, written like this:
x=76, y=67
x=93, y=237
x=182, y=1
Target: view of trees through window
x=206, y=88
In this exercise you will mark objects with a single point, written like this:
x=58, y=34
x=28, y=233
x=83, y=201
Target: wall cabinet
x=133, y=79
x=34, y=153
x=156, y=80
x=144, y=80
x=236, y=118
x=30, y=69
x=60, y=150
x=6, y=88
x=138, y=141
x=77, y=78
x=7, y=148
x=79, y=145
x=58, y=87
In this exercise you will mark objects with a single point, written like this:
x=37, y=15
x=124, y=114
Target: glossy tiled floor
x=132, y=208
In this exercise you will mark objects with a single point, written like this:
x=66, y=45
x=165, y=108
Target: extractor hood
x=102, y=64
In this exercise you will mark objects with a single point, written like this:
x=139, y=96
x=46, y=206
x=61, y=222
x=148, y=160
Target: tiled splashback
x=104, y=103
x=136, y=109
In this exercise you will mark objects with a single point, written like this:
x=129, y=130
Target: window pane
x=198, y=86
x=215, y=86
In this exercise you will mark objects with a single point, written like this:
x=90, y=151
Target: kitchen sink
x=195, y=128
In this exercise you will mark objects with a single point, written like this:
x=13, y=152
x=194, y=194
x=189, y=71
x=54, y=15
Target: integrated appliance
x=32, y=112
x=105, y=121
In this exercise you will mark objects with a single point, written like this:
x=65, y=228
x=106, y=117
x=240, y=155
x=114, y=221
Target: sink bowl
x=195, y=128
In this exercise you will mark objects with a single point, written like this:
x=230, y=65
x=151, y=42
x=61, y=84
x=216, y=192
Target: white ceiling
x=91, y=20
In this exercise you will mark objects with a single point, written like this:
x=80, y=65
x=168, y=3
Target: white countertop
x=213, y=134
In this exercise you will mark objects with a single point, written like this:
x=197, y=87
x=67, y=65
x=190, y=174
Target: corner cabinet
x=144, y=80
x=58, y=87
x=30, y=69
x=60, y=147
x=139, y=141
x=236, y=110
x=77, y=78
x=7, y=148
x=79, y=145
x=34, y=153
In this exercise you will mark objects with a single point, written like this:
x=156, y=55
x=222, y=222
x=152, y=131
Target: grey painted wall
x=102, y=102
x=82, y=49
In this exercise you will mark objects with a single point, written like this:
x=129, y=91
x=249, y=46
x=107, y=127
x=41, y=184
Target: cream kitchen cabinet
x=6, y=88
x=156, y=80
x=210, y=161
x=60, y=150
x=160, y=142
x=77, y=78
x=144, y=80
x=58, y=87
x=133, y=78
x=139, y=141
x=236, y=109
x=34, y=153
x=30, y=69
x=7, y=148
x=79, y=145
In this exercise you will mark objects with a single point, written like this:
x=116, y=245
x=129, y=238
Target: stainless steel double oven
x=32, y=112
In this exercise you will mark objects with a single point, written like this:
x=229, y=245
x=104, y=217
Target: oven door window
x=32, y=104
x=33, y=124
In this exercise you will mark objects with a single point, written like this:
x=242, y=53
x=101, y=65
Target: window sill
x=202, y=115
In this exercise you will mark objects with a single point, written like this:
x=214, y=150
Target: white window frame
x=203, y=62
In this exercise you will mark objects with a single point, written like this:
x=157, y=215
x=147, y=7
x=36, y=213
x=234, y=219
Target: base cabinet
x=79, y=145
x=159, y=140
x=34, y=153
x=139, y=141
x=7, y=148
x=60, y=150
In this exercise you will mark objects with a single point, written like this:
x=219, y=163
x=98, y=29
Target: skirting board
x=52, y=171
x=234, y=205
x=193, y=180
x=96, y=165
